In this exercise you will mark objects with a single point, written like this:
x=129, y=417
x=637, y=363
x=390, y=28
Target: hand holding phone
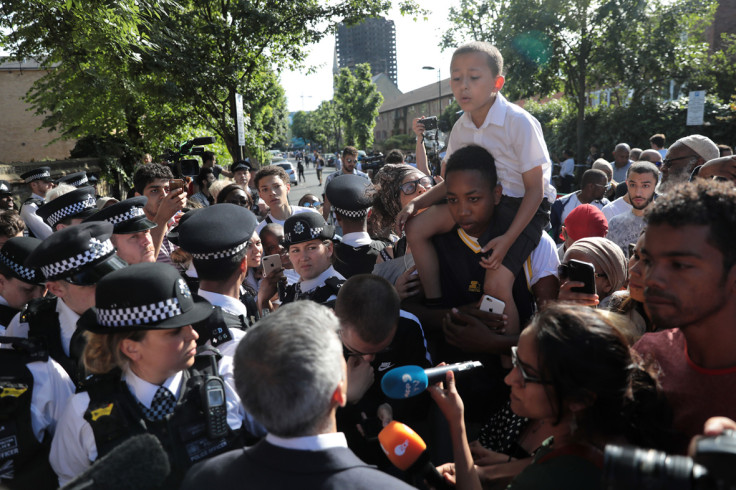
x=492, y=305
x=271, y=263
x=582, y=272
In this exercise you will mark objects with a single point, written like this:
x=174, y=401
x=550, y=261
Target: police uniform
x=5, y=190
x=76, y=179
x=357, y=252
x=322, y=289
x=79, y=203
x=120, y=404
x=33, y=393
x=36, y=227
x=80, y=255
x=12, y=265
x=127, y=217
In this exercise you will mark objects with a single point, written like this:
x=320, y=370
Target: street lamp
x=439, y=89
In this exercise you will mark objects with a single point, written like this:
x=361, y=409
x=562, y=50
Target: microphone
x=139, y=462
x=408, y=381
x=408, y=452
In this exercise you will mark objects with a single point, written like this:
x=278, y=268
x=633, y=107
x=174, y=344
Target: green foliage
x=404, y=142
x=356, y=102
x=449, y=116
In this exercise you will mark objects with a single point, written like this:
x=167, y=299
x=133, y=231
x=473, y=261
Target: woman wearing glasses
x=577, y=384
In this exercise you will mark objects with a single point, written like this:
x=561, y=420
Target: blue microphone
x=408, y=381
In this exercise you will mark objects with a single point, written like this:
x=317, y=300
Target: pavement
x=311, y=186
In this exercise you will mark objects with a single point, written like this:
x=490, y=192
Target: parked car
x=289, y=168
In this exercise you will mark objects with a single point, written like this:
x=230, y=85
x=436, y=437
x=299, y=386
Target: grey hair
x=287, y=368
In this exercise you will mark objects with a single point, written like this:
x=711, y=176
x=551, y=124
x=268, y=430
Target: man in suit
x=291, y=376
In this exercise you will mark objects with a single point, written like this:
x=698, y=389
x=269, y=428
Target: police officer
x=77, y=179
x=18, y=284
x=131, y=233
x=6, y=196
x=34, y=390
x=69, y=209
x=351, y=201
x=141, y=348
x=39, y=180
x=72, y=260
x=309, y=240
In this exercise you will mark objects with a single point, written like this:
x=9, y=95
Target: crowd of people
x=256, y=339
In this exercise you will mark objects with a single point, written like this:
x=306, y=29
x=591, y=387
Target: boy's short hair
x=657, y=139
x=207, y=156
x=271, y=170
x=370, y=305
x=473, y=157
x=11, y=223
x=395, y=156
x=350, y=150
x=643, y=167
x=148, y=173
x=493, y=55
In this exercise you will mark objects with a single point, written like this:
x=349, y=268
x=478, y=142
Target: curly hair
x=701, y=203
x=386, y=202
x=102, y=352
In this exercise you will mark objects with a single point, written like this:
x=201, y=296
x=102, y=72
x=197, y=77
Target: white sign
x=239, y=120
x=696, y=108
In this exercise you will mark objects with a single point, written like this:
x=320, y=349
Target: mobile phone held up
x=582, y=272
x=271, y=263
x=492, y=305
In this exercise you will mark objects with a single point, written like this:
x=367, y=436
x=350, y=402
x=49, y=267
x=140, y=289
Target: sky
x=417, y=45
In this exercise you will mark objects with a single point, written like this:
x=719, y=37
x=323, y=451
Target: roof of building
x=30, y=64
x=418, y=96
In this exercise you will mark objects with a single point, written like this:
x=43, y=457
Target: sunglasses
x=667, y=162
x=525, y=378
x=409, y=188
x=310, y=204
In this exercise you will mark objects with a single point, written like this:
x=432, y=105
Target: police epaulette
x=335, y=283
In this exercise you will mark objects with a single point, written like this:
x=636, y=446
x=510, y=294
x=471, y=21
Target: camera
x=430, y=123
x=180, y=166
x=712, y=466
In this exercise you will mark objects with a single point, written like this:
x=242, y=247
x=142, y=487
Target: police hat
x=77, y=179
x=13, y=256
x=40, y=173
x=79, y=203
x=304, y=227
x=5, y=189
x=80, y=254
x=173, y=235
x=240, y=165
x=146, y=296
x=349, y=195
x=126, y=216
x=217, y=232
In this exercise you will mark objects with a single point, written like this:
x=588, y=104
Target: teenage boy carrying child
x=514, y=138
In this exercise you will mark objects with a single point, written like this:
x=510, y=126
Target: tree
x=357, y=101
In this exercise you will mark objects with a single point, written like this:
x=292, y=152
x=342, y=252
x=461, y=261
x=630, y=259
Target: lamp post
x=439, y=89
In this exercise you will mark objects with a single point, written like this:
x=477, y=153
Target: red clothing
x=694, y=393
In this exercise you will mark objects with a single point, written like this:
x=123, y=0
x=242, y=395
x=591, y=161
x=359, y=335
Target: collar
x=469, y=241
x=67, y=317
x=496, y=114
x=311, y=284
x=357, y=239
x=144, y=391
x=227, y=303
x=309, y=443
x=36, y=196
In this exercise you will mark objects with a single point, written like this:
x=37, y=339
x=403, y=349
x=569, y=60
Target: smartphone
x=271, y=263
x=582, y=272
x=492, y=305
x=177, y=184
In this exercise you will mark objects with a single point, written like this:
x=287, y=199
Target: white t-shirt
x=615, y=208
x=624, y=229
x=294, y=210
x=567, y=167
x=514, y=138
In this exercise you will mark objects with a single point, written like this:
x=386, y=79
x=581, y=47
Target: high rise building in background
x=372, y=41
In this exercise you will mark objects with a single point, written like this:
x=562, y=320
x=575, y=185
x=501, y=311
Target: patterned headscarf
x=386, y=202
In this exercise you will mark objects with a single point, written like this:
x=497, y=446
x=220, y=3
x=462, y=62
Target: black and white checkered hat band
x=71, y=210
x=28, y=275
x=79, y=182
x=314, y=232
x=221, y=254
x=97, y=250
x=38, y=175
x=4, y=188
x=360, y=213
x=138, y=315
x=133, y=212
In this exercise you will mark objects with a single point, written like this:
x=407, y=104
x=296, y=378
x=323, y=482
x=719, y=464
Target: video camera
x=712, y=467
x=373, y=162
x=180, y=166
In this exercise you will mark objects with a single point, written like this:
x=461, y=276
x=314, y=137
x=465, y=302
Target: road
x=311, y=186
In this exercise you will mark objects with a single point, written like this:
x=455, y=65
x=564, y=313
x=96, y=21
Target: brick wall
x=20, y=141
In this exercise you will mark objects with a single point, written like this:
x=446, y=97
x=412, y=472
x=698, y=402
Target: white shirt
x=73, y=448
x=33, y=221
x=319, y=442
x=52, y=388
x=619, y=174
x=357, y=239
x=294, y=210
x=567, y=167
x=67, y=321
x=514, y=138
x=615, y=208
x=574, y=202
x=311, y=284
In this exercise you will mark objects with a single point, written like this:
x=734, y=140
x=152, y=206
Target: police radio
x=213, y=397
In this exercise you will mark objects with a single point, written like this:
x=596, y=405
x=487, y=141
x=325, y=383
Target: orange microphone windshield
x=401, y=444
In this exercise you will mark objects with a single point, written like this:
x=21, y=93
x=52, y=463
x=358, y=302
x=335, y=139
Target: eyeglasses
x=310, y=204
x=525, y=378
x=667, y=162
x=563, y=271
x=350, y=352
x=409, y=188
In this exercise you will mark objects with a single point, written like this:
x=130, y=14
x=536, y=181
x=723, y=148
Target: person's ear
x=244, y=265
x=500, y=80
x=131, y=349
x=56, y=288
x=497, y=193
x=564, y=233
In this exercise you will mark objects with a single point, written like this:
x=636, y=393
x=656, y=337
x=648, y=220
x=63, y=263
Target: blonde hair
x=102, y=353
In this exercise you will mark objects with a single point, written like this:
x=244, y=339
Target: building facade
x=372, y=41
